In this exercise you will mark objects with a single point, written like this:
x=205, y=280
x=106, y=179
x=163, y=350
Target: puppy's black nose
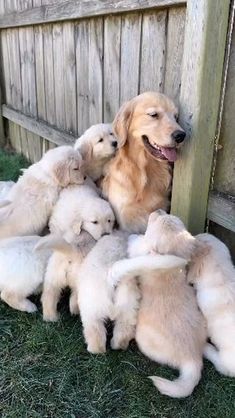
x=178, y=136
x=114, y=144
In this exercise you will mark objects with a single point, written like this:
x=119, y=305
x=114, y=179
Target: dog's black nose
x=178, y=136
x=114, y=144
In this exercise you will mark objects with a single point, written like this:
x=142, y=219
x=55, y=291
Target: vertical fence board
x=82, y=69
x=69, y=78
x=95, y=84
x=59, y=78
x=174, y=56
x=130, y=56
x=152, y=60
x=112, y=38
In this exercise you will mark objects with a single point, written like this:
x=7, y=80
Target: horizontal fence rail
x=221, y=210
x=78, y=9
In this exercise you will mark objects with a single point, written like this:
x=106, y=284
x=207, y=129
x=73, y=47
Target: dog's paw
x=114, y=274
x=119, y=343
x=30, y=307
x=96, y=348
x=51, y=318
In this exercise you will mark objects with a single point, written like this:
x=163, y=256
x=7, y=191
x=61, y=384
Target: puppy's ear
x=122, y=122
x=61, y=173
x=85, y=148
x=77, y=227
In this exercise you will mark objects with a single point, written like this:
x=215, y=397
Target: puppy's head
x=97, y=218
x=150, y=120
x=166, y=234
x=65, y=165
x=97, y=142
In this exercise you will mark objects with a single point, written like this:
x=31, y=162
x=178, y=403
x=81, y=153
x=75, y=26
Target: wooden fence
x=68, y=64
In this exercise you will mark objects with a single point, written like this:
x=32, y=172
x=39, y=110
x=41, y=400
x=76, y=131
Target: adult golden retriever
x=138, y=178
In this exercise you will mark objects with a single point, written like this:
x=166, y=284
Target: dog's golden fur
x=136, y=182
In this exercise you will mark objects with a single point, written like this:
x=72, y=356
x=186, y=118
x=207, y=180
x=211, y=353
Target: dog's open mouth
x=163, y=153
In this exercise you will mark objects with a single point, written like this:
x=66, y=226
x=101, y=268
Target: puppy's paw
x=119, y=343
x=30, y=307
x=51, y=318
x=96, y=348
x=114, y=274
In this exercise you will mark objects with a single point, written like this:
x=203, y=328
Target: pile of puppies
x=165, y=288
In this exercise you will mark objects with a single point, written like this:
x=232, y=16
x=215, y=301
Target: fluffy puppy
x=170, y=329
x=84, y=210
x=213, y=275
x=21, y=271
x=98, y=300
x=97, y=146
x=138, y=178
x=32, y=198
x=62, y=271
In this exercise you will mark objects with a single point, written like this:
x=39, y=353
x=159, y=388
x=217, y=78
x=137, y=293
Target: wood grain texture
x=174, y=52
x=225, y=162
x=112, y=40
x=130, y=56
x=77, y=9
x=153, y=51
x=205, y=40
x=221, y=210
x=37, y=127
x=69, y=78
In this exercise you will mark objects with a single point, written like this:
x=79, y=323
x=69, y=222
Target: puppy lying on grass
x=97, y=146
x=21, y=271
x=79, y=209
x=32, y=198
x=170, y=329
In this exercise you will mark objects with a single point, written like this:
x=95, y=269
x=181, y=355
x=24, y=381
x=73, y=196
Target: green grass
x=45, y=370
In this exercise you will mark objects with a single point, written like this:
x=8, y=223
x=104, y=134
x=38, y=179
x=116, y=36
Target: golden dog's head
x=150, y=120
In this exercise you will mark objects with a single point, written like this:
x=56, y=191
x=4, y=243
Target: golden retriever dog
x=138, y=178
x=78, y=208
x=97, y=146
x=21, y=271
x=170, y=329
x=32, y=198
x=98, y=300
x=213, y=275
x=62, y=271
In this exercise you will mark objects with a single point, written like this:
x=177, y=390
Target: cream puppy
x=62, y=271
x=32, y=198
x=213, y=276
x=21, y=271
x=97, y=146
x=98, y=300
x=170, y=329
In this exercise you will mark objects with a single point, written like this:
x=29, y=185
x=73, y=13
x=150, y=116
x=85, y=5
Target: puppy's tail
x=138, y=266
x=189, y=377
x=55, y=242
x=223, y=360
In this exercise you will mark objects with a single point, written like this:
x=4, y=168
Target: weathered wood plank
x=205, y=40
x=153, y=51
x=82, y=70
x=174, y=55
x=69, y=78
x=6, y=72
x=221, y=210
x=95, y=75
x=59, y=70
x=130, y=56
x=37, y=127
x=112, y=40
x=77, y=9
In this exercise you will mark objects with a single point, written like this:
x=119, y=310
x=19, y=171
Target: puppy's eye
x=111, y=133
x=76, y=168
x=154, y=115
x=101, y=140
x=109, y=220
x=176, y=117
x=94, y=222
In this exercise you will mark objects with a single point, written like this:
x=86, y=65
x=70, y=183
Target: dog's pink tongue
x=169, y=153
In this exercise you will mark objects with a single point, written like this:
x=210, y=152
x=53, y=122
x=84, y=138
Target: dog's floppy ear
x=84, y=147
x=122, y=121
x=61, y=173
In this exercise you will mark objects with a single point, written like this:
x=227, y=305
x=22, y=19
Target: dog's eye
x=76, y=168
x=176, y=117
x=154, y=115
x=109, y=220
x=94, y=222
x=111, y=133
x=101, y=140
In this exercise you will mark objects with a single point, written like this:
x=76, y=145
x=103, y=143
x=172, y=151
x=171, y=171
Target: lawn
x=45, y=370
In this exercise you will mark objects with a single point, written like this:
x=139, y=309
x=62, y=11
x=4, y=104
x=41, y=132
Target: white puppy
x=32, y=198
x=98, y=300
x=62, y=271
x=97, y=146
x=80, y=208
x=21, y=271
x=170, y=329
x=213, y=276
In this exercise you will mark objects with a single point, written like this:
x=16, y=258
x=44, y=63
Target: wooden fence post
x=202, y=74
